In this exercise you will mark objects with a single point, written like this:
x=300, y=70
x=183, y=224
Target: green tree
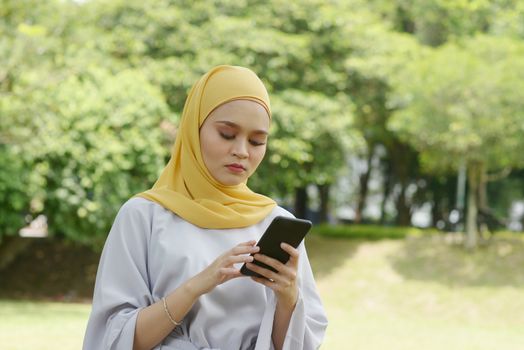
x=80, y=131
x=24, y=43
x=469, y=111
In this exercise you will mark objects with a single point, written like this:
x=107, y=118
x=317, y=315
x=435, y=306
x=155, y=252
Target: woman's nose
x=240, y=149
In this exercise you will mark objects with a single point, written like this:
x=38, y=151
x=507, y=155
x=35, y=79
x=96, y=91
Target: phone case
x=282, y=229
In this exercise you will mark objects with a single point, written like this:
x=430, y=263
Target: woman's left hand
x=283, y=282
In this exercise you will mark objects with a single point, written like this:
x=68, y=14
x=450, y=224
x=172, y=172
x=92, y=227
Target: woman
x=169, y=273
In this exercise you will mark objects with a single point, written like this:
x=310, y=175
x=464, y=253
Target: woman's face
x=233, y=140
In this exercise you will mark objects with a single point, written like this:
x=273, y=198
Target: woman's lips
x=236, y=168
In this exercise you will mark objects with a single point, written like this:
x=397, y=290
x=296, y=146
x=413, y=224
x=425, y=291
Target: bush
x=14, y=199
x=92, y=141
x=369, y=232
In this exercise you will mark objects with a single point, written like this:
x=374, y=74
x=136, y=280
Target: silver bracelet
x=168, y=314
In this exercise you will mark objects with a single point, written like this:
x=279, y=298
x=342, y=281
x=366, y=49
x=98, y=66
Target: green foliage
x=90, y=92
x=369, y=232
x=434, y=22
x=14, y=196
x=87, y=129
x=470, y=110
x=98, y=142
x=311, y=135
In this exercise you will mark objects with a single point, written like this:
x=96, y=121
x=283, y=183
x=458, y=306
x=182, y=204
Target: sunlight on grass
x=43, y=326
x=420, y=293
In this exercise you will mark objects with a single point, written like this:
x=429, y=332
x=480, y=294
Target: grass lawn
x=42, y=325
x=420, y=293
x=415, y=293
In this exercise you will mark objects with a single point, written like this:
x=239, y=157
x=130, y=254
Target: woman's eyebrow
x=236, y=126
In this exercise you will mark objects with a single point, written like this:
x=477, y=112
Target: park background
x=398, y=129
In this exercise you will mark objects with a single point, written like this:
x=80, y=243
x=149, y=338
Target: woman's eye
x=227, y=136
x=256, y=143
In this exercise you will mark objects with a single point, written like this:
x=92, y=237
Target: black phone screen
x=282, y=229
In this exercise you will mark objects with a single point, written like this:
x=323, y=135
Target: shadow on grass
x=439, y=259
x=327, y=253
x=53, y=269
x=50, y=269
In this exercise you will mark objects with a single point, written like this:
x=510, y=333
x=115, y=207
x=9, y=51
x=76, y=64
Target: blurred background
x=398, y=129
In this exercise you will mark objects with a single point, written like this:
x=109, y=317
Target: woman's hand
x=222, y=270
x=283, y=282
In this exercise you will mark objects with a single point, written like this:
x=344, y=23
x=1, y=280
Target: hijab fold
x=185, y=186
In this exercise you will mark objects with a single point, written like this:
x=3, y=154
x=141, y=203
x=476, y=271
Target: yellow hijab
x=185, y=186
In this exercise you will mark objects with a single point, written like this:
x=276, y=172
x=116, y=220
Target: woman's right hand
x=222, y=270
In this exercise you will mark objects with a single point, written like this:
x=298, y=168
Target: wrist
x=190, y=288
x=287, y=303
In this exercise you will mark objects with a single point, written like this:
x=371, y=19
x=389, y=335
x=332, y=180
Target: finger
x=235, y=259
x=248, y=243
x=229, y=271
x=264, y=281
x=294, y=254
x=270, y=275
x=244, y=249
x=287, y=272
x=274, y=263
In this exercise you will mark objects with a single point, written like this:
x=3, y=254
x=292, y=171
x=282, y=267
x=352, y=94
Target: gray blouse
x=150, y=251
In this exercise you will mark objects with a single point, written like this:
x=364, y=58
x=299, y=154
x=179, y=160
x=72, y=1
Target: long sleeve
x=150, y=252
x=122, y=285
x=308, y=323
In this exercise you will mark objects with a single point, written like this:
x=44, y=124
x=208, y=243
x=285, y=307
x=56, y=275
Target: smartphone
x=282, y=229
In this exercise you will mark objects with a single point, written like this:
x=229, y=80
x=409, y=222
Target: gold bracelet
x=168, y=314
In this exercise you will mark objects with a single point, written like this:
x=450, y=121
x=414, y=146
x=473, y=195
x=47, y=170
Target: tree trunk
x=482, y=190
x=403, y=209
x=404, y=166
x=323, y=191
x=301, y=202
x=436, y=210
x=442, y=191
x=363, y=189
x=471, y=220
x=482, y=200
x=386, y=191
